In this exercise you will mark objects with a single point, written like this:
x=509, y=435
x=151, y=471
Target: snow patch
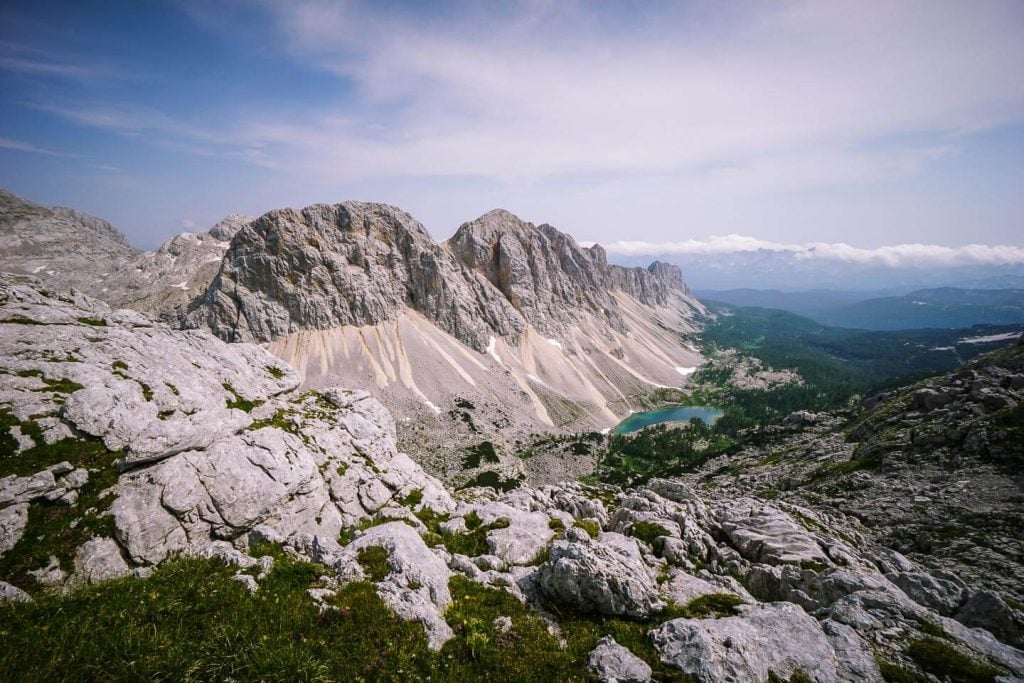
x=432, y=406
x=535, y=378
x=606, y=430
x=38, y=268
x=685, y=372
x=990, y=338
x=183, y=286
x=555, y=342
x=491, y=344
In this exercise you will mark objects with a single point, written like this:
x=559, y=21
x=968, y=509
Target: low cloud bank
x=896, y=255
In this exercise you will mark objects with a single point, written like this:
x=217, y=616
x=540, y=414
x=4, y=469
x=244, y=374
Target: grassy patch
x=590, y=526
x=647, y=531
x=280, y=420
x=894, y=673
x=413, y=499
x=275, y=372
x=238, y=402
x=474, y=542
x=492, y=480
x=95, y=322
x=480, y=453
x=943, y=660
x=191, y=622
x=374, y=561
x=712, y=605
x=55, y=529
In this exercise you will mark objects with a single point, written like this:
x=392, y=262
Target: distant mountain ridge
x=940, y=308
x=801, y=270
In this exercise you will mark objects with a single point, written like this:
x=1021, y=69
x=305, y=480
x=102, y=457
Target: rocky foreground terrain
x=127, y=444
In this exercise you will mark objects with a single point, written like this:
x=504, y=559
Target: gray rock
x=9, y=593
x=762, y=532
x=248, y=581
x=612, y=663
x=777, y=638
x=942, y=595
x=99, y=559
x=13, y=520
x=503, y=624
x=416, y=586
x=607, y=576
x=985, y=609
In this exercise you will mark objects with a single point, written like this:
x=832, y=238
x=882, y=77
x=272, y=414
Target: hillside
x=193, y=501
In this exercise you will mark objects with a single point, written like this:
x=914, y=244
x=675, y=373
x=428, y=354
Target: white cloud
x=188, y=224
x=898, y=255
x=21, y=146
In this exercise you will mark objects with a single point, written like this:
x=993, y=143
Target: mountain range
x=515, y=319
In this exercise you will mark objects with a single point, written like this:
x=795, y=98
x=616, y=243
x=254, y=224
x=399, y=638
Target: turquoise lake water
x=638, y=421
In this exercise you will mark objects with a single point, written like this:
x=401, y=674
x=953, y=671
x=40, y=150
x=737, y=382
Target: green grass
x=280, y=419
x=483, y=452
x=493, y=480
x=712, y=605
x=943, y=660
x=59, y=386
x=95, y=322
x=55, y=529
x=474, y=541
x=238, y=402
x=190, y=621
x=275, y=372
x=413, y=499
x=894, y=673
x=647, y=531
x=374, y=561
x=590, y=526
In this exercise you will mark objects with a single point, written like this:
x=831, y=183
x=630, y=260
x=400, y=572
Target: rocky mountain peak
x=227, y=227
x=353, y=263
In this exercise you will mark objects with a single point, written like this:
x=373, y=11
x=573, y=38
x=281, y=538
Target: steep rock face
x=542, y=272
x=552, y=280
x=653, y=286
x=60, y=246
x=345, y=264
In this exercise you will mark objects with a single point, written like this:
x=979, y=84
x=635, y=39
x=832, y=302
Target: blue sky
x=869, y=124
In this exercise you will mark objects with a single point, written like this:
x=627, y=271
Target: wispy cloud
x=897, y=255
x=25, y=60
x=21, y=146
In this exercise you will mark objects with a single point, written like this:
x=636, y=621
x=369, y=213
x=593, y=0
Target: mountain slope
x=518, y=320
x=223, y=506
x=67, y=248
x=58, y=245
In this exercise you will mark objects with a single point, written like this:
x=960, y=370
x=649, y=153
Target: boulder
x=984, y=609
x=99, y=559
x=416, y=585
x=774, y=638
x=13, y=520
x=612, y=663
x=604, y=576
